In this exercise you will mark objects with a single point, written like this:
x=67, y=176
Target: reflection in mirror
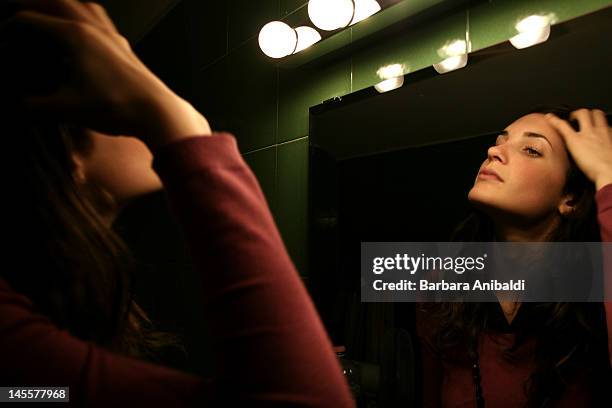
x=398, y=166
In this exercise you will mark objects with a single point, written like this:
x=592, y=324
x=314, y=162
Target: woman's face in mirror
x=120, y=165
x=531, y=159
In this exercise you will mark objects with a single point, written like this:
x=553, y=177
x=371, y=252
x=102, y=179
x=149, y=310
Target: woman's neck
x=533, y=232
x=510, y=309
x=510, y=232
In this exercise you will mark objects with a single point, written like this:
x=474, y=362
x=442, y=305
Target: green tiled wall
x=242, y=91
x=493, y=22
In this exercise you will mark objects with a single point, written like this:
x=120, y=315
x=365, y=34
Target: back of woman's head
x=61, y=253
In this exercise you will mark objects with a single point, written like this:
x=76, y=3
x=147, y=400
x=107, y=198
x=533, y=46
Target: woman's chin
x=481, y=198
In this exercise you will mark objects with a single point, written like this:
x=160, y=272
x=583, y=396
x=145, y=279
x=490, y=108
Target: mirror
x=397, y=167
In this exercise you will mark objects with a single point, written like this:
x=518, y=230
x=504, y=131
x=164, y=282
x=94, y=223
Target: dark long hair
x=571, y=337
x=62, y=255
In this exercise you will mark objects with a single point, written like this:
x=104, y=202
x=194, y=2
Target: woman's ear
x=567, y=205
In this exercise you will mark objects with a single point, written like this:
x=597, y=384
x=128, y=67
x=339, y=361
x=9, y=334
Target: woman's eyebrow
x=529, y=134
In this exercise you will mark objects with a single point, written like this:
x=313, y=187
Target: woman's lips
x=489, y=175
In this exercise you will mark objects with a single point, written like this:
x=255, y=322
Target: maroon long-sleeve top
x=451, y=384
x=269, y=344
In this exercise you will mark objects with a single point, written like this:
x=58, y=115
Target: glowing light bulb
x=451, y=64
x=330, y=15
x=277, y=39
x=307, y=36
x=389, y=84
x=454, y=48
x=392, y=77
x=365, y=9
x=390, y=71
x=455, y=56
x=532, y=30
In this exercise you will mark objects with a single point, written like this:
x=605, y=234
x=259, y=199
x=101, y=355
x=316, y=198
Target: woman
x=66, y=315
x=541, y=181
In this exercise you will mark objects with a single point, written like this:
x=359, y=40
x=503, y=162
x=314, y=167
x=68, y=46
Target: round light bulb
x=330, y=15
x=389, y=84
x=457, y=47
x=365, y=9
x=277, y=39
x=533, y=22
x=451, y=64
x=307, y=36
x=390, y=71
x=532, y=30
x=455, y=56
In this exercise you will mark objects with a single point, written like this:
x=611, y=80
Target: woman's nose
x=495, y=152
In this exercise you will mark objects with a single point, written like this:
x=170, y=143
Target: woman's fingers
x=72, y=10
x=28, y=19
x=591, y=148
x=599, y=118
x=584, y=118
x=101, y=15
x=563, y=127
x=88, y=13
x=105, y=19
x=67, y=9
x=109, y=89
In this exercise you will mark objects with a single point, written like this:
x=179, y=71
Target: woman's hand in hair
x=109, y=89
x=591, y=146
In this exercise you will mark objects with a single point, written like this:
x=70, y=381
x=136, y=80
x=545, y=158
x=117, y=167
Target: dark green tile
x=238, y=94
x=208, y=25
x=303, y=87
x=324, y=50
x=247, y=17
x=133, y=20
x=289, y=6
x=412, y=50
x=292, y=205
x=494, y=22
x=165, y=50
x=263, y=164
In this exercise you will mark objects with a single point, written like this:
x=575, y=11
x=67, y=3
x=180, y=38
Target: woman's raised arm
x=603, y=198
x=591, y=148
